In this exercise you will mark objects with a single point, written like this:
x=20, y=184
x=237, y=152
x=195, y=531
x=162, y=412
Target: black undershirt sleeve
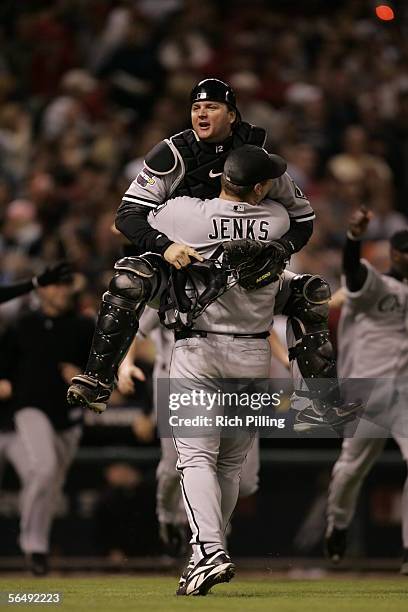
x=132, y=222
x=9, y=292
x=298, y=234
x=354, y=271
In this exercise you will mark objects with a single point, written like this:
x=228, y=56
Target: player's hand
x=68, y=371
x=126, y=378
x=359, y=222
x=179, y=255
x=143, y=428
x=6, y=390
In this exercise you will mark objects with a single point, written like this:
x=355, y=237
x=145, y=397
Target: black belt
x=198, y=333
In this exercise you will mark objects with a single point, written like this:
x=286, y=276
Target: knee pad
x=308, y=310
x=128, y=289
x=308, y=305
x=136, y=280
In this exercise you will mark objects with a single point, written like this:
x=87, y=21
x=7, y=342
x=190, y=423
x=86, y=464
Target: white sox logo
x=389, y=303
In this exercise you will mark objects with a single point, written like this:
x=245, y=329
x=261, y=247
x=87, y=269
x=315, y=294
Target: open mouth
x=204, y=125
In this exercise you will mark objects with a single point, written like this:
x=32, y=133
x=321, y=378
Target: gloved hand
x=52, y=275
x=257, y=263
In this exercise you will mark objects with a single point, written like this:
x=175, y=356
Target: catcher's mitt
x=256, y=263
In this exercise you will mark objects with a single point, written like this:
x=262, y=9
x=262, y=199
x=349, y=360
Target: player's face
x=212, y=121
x=400, y=262
x=56, y=299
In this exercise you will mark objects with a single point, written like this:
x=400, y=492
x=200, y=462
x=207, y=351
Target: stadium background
x=87, y=87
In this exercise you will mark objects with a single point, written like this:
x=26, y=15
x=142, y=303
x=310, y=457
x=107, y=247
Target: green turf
x=156, y=594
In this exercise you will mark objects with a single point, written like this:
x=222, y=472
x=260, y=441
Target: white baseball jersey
x=204, y=225
x=373, y=329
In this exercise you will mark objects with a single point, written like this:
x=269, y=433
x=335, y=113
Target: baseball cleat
x=335, y=544
x=183, y=578
x=211, y=570
x=334, y=418
x=404, y=566
x=38, y=564
x=88, y=393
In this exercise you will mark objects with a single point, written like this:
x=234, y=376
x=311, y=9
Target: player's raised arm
x=354, y=270
x=54, y=274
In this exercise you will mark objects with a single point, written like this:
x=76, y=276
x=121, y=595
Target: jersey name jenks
x=235, y=229
x=205, y=224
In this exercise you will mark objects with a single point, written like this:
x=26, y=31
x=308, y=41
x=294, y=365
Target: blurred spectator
x=355, y=156
x=247, y=86
x=124, y=524
x=15, y=140
x=133, y=72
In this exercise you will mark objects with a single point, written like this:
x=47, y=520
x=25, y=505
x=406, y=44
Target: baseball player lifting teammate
x=190, y=164
x=169, y=505
x=373, y=344
x=229, y=329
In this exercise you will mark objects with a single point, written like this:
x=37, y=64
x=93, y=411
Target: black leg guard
x=308, y=311
x=136, y=282
x=116, y=327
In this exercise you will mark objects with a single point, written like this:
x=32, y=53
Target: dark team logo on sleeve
x=298, y=192
x=145, y=178
x=389, y=303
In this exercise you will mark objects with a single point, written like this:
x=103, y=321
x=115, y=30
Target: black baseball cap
x=215, y=91
x=249, y=165
x=399, y=241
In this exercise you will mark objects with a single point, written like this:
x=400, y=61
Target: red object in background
x=384, y=12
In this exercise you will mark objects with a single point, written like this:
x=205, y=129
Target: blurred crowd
x=87, y=87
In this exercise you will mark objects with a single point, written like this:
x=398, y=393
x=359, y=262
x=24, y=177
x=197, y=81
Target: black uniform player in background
x=191, y=163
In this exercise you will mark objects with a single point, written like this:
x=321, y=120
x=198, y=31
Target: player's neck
x=233, y=198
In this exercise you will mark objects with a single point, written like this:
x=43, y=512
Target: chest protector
x=204, y=161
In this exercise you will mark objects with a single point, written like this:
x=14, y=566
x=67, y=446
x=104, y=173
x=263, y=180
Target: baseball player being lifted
x=373, y=344
x=190, y=164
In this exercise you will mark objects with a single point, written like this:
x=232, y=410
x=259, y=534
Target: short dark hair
x=240, y=191
x=399, y=241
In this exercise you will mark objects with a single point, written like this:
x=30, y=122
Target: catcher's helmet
x=216, y=91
